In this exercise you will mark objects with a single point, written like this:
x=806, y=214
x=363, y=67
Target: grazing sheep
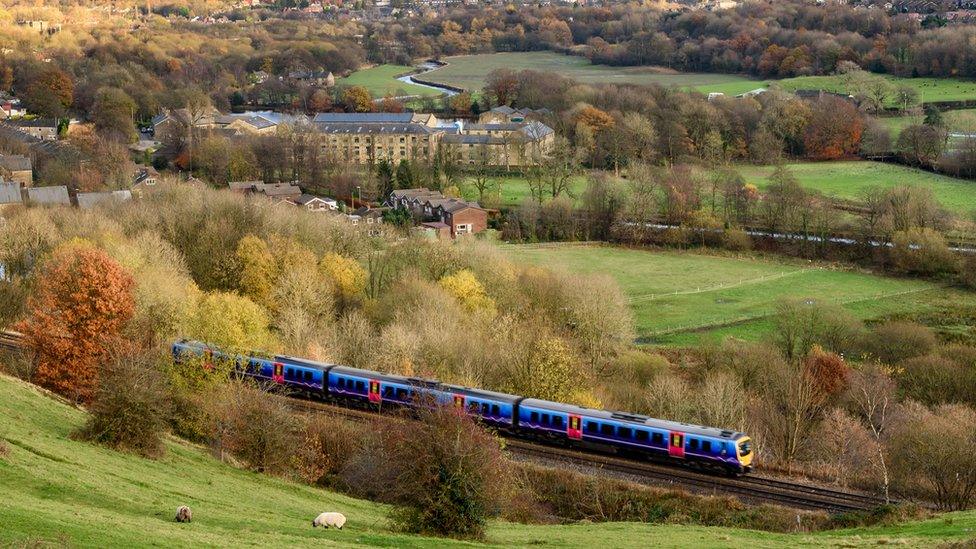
x=329, y=519
x=183, y=514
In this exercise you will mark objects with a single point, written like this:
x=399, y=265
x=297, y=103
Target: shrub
x=895, y=341
x=934, y=379
x=800, y=325
x=328, y=444
x=254, y=426
x=828, y=371
x=450, y=474
x=736, y=240
x=921, y=251
x=928, y=467
x=130, y=407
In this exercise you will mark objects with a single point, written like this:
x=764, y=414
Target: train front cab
x=744, y=453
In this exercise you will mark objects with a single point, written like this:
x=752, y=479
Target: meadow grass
x=683, y=298
x=381, y=81
x=63, y=492
x=849, y=179
x=929, y=89
x=509, y=191
x=469, y=72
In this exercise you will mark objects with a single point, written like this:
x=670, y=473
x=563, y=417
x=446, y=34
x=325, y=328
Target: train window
x=308, y=376
x=401, y=394
x=623, y=432
x=706, y=446
x=590, y=427
x=495, y=410
x=360, y=385
x=288, y=373
x=606, y=429
x=534, y=417
x=485, y=409
x=545, y=419
x=342, y=383
x=387, y=392
x=641, y=435
x=657, y=439
x=693, y=444
x=557, y=422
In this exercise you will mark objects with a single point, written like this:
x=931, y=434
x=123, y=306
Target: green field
x=930, y=89
x=849, y=179
x=513, y=190
x=60, y=492
x=469, y=71
x=957, y=121
x=381, y=81
x=679, y=298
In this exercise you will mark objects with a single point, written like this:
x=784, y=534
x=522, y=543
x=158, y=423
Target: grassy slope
x=848, y=179
x=381, y=81
x=68, y=492
x=515, y=190
x=469, y=71
x=714, y=291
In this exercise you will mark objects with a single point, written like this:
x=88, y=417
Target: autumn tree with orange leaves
x=80, y=304
x=834, y=130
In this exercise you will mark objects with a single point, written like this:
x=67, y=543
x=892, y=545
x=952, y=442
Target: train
x=707, y=448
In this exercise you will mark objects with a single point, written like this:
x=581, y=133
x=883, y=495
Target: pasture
x=61, y=492
x=929, y=89
x=957, y=121
x=469, y=71
x=381, y=81
x=849, y=179
x=511, y=191
x=683, y=298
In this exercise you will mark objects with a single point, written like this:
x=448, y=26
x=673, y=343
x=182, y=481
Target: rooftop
x=48, y=195
x=9, y=192
x=88, y=200
x=15, y=162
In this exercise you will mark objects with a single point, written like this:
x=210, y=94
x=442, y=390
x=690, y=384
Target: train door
x=676, y=444
x=575, y=428
x=278, y=373
x=374, y=391
x=459, y=402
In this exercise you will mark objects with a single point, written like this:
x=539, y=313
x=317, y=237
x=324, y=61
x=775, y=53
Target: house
x=316, y=204
x=435, y=229
x=145, y=177
x=504, y=114
x=47, y=196
x=17, y=168
x=368, y=215
x=89, y=200
x=460, y=217
x=45, y=129
x=314, y=78
x=275, y=191
x=10, y=107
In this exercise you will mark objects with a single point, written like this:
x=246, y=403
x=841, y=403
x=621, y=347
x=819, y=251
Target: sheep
x=329, y=519
x=183, y=514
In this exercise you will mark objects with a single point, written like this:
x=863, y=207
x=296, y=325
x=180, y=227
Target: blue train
x=553, y=422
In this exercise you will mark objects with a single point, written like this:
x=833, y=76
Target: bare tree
x=871, y=397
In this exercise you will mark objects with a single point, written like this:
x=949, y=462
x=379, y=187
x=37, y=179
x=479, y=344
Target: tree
x=906, y=96
x=49, y=93
x=921, y=144
x=80, y=304
x=231, y=322
x=545, y=368
x=834, y=129
x=876, y=139
x=461, y=103
x=871, y=397
x=922, y=251
x=501, y=85
x=257, y=269
x=113, y=113
x=357, y=99
x=347, y=276
x=594, y=119
x=469, y=291
x=319, y=101
x=933, y=116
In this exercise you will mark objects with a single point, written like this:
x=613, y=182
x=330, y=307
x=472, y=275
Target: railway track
x=750, y=488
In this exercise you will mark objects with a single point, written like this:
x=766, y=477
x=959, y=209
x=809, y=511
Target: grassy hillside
x=381, y=81
x=849, y=179
x=929, y=89
x=469, y=71
x=57, y=490
x=681, y=298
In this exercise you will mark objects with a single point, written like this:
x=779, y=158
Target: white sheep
x=183, y=514
x=326, y=520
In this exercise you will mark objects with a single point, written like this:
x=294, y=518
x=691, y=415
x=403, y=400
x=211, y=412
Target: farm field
x=61, y=492
x=682, y=298
x=381, y=81
x=513, y=190
x=469, y=71
x=847, y=179
x=930, y=89
x=957, y=121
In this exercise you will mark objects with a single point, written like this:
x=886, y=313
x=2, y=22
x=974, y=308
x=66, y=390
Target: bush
x=934, y=379
x=895, y=341
x=736, y=240
x=328, y=444
x=926, y=466
x=800, y=325
x=130, y=407
x=254, y=426
x=450, y=474
x=921, y=251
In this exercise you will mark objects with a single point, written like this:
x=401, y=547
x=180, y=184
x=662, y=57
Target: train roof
x=492, y=395
x=635, y=419
x=304, y=362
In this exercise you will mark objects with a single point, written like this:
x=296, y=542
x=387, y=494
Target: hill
x=55, y=489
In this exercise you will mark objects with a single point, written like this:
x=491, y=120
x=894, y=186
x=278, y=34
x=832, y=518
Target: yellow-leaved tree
x=347, y=276
x=257, y=270
x=466, y=287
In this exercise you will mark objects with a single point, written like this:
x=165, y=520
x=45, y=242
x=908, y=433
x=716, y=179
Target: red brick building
x=460, y=216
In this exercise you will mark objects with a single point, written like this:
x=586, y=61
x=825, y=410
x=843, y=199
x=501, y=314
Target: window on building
x=462, y=228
